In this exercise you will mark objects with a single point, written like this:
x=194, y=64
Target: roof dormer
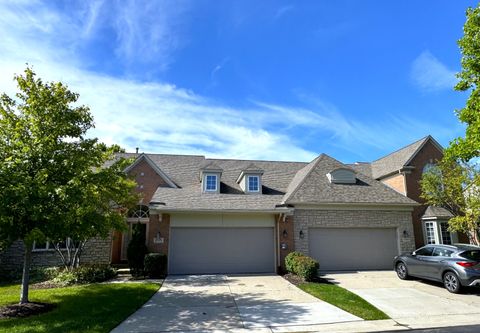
x=342, y=176
x=250, y=179
x=210, y=176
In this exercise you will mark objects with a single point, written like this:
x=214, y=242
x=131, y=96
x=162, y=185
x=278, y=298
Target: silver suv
x=456, y=265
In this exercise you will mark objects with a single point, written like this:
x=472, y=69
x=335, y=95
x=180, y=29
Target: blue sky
x=248, y=79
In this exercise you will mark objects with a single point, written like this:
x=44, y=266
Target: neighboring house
x=402, y=170
x=238, y=216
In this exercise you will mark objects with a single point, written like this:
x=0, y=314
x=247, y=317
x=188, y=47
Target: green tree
x=456, y=187
x=54, y=181
x=469, y=80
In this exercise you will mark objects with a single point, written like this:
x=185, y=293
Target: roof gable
x=155, y=167
x=401, y=158
x=313, y=187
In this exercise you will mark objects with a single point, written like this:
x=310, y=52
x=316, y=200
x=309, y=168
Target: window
x=424, y=251
x=253, y=183
x=48, y=245
x=439, y=252
x=471, y=254
x=436, y=232
x=211, y=183
x=446, y=238
x=430, y=232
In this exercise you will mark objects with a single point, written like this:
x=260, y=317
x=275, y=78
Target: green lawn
x=344, y=299
x=89, y=308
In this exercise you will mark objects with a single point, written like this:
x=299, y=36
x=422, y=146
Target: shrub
x=301, y=265
x=290, y=261
x=85, y=274
x=136, y=251
x=155, y=265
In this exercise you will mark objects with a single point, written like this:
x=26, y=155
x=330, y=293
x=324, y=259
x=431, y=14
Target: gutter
x=162, y=208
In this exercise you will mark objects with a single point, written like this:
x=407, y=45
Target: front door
x=127, y=236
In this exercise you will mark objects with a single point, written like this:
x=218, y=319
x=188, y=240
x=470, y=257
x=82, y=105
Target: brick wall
x=288, y=226
x=305, y=219
x=97, y=251
x=428, y=154
x=147, y=180
x=163, y=226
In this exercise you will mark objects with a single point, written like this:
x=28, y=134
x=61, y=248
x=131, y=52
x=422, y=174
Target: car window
x=439, y=252
x=424, y=251
x=472, y=254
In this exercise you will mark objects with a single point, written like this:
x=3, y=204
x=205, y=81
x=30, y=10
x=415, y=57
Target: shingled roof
x=437, y=212
x=393, y=162
x=282, y=183
x=311, y=186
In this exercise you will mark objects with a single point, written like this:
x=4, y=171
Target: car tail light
x=467, y=263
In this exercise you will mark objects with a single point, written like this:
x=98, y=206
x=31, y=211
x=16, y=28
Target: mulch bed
x=297, y=280
x=25, y=310
x=46, y=285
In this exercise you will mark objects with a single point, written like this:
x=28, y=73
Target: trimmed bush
x=155, y=265
x=290, y=261
x=136, y=251
x=301, y=265
x=85, y=274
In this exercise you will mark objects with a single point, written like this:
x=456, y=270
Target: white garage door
x=221, y=250
x=353, y=248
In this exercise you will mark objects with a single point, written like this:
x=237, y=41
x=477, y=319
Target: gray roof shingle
x=315, y=188
x=396, y=160
x=433, y=211
x=295, y=181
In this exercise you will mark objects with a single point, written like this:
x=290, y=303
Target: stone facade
x=308, y=218
x=97, y=251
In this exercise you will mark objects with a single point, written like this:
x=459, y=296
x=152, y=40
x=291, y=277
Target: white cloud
x=160, y=117
x=429, y=74
x=282, y=11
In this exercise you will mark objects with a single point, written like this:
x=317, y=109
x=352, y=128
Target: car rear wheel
x=451, y=282
x=401, y=270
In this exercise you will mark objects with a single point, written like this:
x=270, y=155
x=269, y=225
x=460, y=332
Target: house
x=242, y=216
x=402, y=170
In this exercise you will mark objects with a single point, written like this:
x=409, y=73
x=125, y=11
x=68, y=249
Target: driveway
x=412, y=303
x=230, y=302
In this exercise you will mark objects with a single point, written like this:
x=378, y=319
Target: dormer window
x=211, y=181
x=253, y=183
x=210, y=177
x=250, y=179
x=342, y=176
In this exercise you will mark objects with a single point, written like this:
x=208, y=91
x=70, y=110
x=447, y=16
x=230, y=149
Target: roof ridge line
x=396, y=151
x=318, y=159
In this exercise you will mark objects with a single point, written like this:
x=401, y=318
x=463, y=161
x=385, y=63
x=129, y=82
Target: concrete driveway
x=233, y=302
x=412, y=303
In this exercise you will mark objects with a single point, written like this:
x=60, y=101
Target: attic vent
x=342, y=176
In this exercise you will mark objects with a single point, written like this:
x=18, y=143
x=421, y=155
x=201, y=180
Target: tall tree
x=54, y=181
x=469, y=80
x=455, y=186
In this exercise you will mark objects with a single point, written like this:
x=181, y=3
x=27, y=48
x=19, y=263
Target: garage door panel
x=353, y=248
x=221, y=250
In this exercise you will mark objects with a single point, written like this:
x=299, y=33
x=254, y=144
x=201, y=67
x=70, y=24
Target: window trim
x=437, y=232
x=205, y=188
x=258, y=183
x=49, y=247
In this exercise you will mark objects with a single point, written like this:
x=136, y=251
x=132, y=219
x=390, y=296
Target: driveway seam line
x=235, y=302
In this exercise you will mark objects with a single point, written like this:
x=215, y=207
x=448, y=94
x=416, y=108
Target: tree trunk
x=26, y=274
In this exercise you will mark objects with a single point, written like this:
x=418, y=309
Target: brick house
x=239, y=216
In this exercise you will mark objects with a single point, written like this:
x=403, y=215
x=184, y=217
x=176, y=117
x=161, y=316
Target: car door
x=434, y=264
x=419, y=260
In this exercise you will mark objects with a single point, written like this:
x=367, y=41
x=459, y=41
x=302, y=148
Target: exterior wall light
x=301, y=234
x=405, y=233
x=285, y=233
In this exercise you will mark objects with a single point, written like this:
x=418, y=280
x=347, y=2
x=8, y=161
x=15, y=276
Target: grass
x=89, y=308
x=343, y=299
